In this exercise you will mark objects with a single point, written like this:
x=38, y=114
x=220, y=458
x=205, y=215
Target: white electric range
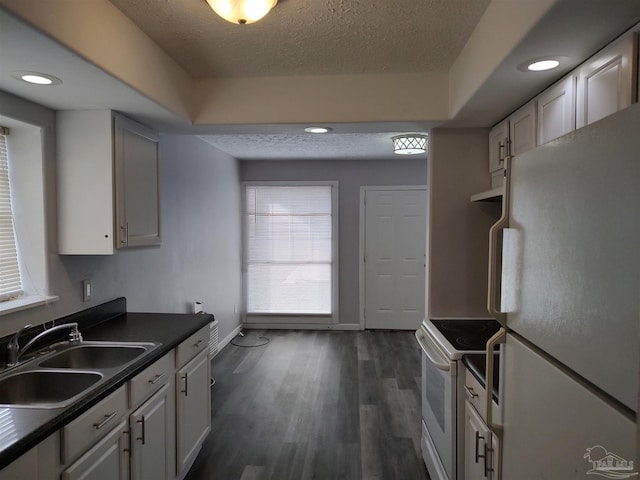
x=443, y=343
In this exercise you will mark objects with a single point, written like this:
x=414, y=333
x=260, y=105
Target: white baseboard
x=229, y=337
x=302, y=326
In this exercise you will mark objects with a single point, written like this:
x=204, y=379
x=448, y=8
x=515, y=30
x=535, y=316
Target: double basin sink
x=57, y=379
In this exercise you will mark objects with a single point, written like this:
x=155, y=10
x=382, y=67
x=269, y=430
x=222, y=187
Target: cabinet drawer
x=107, y=459
x=193, y=345
x=475, y=393
x=150, y=380
x=92, y=425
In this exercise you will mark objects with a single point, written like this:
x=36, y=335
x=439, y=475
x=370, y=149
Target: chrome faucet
x=14, y=352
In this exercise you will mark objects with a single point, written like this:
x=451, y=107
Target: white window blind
x=289, y=254
x=10, y=282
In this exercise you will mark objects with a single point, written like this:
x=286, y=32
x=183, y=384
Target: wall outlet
x=86, y=290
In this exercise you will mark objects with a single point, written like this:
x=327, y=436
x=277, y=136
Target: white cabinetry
x=137, y=196
x=93, y=424
x=151, y=438
x=522, y=129
x=193, y=398
x=498, y=144
x=556, y=108
x=152, y=424
x=107, y=183
x=514, y=135
x=606, y=81
x=22, y=468
x=477, y=443
x=481, y=447
x=107, y=460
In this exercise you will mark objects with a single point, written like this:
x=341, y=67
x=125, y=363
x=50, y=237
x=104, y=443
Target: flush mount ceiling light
x=36, y=78
x=242, y=12
x=317, y=129
x=409, y=144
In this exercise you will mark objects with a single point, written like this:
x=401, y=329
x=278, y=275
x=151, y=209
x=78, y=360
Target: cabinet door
x=605, y=82
x=137, y=194
x=477, y=452
x=152, y=438
x=23, y=467
x=107, y=460
x=522, y=129
x=498, y=144
x=193, y=408
x=556, y=108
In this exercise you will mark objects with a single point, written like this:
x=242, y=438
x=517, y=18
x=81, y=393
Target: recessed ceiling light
x=36, y=78
x=542, y=65
x=317, y=129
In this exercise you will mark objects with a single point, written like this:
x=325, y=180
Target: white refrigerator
x=570, y=306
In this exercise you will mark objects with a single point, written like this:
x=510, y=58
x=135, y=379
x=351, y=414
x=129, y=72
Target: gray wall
x=199, y=258
x=351, y=175
x=459, y=229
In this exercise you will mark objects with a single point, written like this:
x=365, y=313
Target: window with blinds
x=289, y=249
x=10, y=282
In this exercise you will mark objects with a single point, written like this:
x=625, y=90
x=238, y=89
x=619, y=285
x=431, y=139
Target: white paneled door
x=394, y=258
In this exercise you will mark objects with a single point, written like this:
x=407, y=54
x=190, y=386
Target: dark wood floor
x=315, y=405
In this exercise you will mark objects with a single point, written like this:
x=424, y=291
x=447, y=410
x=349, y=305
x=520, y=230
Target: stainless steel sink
x=94, y=356
x=45, y=388
x=55, y=379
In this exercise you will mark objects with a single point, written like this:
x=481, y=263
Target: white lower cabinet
x=150, y=428
x=151, y=437
x=22, y=468
x=107, y=460
x=480, y=446
x=193, y=408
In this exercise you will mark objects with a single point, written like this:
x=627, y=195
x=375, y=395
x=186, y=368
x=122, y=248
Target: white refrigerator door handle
x=431, y=351
x=493, y=246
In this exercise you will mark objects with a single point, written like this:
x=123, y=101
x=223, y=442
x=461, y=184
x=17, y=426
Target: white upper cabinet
x=522, y=129
x=498, y=145
x=606, y=81
x=136, y=162
x=556, y=109
x=107, y=183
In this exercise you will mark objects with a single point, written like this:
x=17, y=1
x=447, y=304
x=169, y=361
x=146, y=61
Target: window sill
x=23, y=303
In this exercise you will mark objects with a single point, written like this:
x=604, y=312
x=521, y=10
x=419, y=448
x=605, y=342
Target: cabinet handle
x=470, y=393
x=141, y=422
x=198, y=343
x=500, y=155
x=478, y=438
x=488, y=455
x=108, y=417
x=124, y=234
x=157, y=378
x=185, y=377
x=127, y=448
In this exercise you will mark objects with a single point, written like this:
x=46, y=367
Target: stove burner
x=467, y=334
x=470, y=343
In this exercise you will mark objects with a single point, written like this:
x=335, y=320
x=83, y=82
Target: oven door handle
x=431, y=351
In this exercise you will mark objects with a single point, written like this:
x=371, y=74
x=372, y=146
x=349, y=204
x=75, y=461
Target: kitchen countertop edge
x=127, y=327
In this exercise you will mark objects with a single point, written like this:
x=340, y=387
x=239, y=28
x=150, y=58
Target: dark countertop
x=24, y=428
x=476, y=363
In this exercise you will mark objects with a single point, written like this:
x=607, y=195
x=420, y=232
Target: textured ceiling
x=310, y=37
x=355, y=146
